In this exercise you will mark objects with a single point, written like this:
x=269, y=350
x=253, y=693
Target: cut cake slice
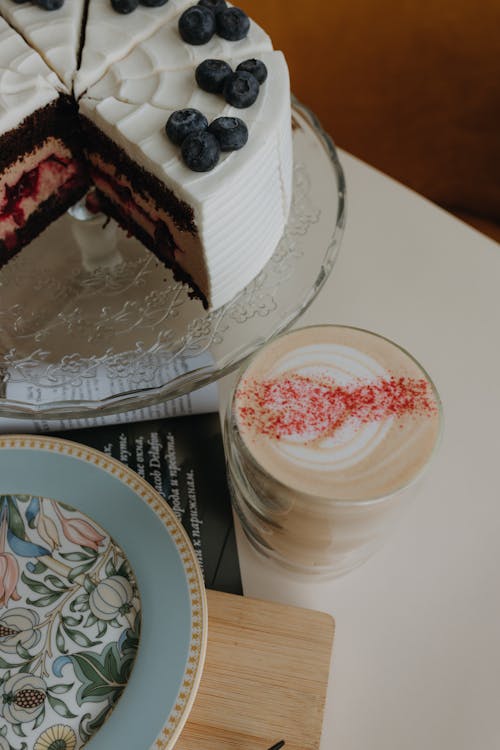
x=216, y=229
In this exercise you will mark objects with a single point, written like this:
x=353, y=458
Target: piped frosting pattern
x=56, y=36
x=110, y=36
x=26, y=83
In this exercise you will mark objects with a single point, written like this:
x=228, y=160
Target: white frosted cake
x=214, y=221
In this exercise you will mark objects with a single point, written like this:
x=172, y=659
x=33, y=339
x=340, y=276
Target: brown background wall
x=413, y=88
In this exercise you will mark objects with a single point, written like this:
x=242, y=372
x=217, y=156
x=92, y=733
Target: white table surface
x=416, y=661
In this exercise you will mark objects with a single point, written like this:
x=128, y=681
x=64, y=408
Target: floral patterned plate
x=69, y=624
x=169, y=663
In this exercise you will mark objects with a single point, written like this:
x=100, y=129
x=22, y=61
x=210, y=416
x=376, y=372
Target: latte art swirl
x=332, y=409
x=326, y=435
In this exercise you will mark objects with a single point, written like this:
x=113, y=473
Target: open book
x=183, y=459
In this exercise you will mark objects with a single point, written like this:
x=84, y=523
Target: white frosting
x=26, y=83
x=110, y=37
x=54, y=34
x=127, y=81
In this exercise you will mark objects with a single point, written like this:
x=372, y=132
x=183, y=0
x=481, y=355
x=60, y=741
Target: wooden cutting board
x=265, y=677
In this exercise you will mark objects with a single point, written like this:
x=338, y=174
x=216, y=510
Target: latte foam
x=337, y=412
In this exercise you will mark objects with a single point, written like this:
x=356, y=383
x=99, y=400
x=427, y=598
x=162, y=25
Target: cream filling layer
x=145, y=212
x=51, y=177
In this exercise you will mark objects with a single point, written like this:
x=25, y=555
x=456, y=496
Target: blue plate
x=167, y=671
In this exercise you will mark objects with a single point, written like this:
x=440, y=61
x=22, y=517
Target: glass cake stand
x=91, y=325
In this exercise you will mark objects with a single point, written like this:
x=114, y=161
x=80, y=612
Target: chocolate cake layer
x=144, y=182
x=58, y=119
x=166, y=258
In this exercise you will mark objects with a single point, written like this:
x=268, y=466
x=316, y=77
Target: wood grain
x=265, y=677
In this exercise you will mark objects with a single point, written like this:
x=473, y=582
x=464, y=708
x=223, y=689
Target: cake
x=119, y=80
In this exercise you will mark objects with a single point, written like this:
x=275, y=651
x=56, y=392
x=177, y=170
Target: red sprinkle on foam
x=317, y=407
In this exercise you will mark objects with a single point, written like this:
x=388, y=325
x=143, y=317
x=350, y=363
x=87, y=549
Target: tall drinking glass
x=327, y=432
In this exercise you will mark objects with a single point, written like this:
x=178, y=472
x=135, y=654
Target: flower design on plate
x=79, y=531
x=19, y=626
x=9, y=569
x=47, y=530
x=68, y=648
x=111, y=597
x=23, y=698
x=57, y=737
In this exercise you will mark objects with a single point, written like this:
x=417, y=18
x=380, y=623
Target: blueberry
x=211, y=75
x=241, y=89
x=231, y=132
x=50, y=4
x=215, y=5
x=184, y=122
x=153, y=3
x=124, y=6
x=200, y=151
x=197, y=25
x=255, y=67
x=232, y=24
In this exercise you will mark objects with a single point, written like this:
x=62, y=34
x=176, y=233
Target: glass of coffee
x=327, y=432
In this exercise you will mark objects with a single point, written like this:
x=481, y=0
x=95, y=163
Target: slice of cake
x=56, y=35
x=41, y=166
x=216, y=229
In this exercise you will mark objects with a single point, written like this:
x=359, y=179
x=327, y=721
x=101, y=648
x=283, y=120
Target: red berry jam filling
x=28, y=186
